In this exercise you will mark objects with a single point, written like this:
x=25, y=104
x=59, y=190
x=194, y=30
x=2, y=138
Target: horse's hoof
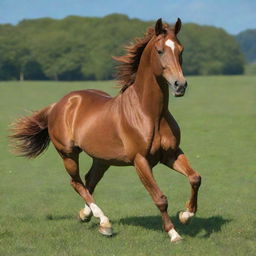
x=83, y=217
x=185, y=217
x=174, y=235
x=106, y=231
x=177, y=240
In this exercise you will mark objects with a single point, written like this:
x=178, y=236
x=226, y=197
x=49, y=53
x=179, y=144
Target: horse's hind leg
x=180, y=164
x=72, y=166
x=92, y=178
x=95, y=174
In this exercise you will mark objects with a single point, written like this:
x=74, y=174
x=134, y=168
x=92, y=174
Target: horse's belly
x=102, y=147
x=99, y=138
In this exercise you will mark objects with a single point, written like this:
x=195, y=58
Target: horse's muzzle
x=179, y=88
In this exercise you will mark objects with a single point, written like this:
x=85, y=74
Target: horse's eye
x=160, y=52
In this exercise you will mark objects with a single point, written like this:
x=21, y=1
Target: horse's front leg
x=178, y=162
x=145, y=173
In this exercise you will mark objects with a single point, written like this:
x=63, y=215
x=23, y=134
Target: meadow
x=38, y=207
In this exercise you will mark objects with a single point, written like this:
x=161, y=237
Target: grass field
x=38, y=208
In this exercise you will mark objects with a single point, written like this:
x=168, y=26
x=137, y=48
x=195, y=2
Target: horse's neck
x=153, y=98
x=147, y=96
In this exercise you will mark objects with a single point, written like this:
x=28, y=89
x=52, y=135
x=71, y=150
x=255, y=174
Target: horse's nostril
x=186, y=84
x=176, y=83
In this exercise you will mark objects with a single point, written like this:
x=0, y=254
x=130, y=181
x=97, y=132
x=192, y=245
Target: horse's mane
x=129, y=63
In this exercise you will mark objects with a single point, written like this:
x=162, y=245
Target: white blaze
x=170, y=44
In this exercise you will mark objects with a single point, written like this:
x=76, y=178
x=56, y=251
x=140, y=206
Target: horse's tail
x=29, y=135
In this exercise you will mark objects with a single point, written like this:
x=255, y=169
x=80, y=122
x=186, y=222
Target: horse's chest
x=156, y=142
x=150, y=142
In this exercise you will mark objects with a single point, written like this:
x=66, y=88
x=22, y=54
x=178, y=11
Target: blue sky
x=232, y=15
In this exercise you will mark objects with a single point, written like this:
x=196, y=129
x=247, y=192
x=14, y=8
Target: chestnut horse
x=133, y=128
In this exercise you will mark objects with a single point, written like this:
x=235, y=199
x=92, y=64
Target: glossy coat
x=133, y=128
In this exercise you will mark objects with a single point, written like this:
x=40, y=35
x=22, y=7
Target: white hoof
x=106, y=228
x=106, y=231
x=185, y=217
x=175, y=237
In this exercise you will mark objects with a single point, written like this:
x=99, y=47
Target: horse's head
x=167, y=57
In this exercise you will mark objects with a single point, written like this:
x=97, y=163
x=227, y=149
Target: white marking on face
x=98, y=213
x=170, y=44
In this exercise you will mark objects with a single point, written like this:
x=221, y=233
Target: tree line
x=80, y=48
x=246, y=40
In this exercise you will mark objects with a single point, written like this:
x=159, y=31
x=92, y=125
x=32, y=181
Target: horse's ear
x=159, y=27
x=177, y=26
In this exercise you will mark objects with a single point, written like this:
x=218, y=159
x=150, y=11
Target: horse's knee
x=195, y=180
x=73, y=183
x=162, y=203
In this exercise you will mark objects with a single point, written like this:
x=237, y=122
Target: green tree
x=246, y=40
x=77, y=48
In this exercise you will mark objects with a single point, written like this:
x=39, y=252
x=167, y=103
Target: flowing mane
x=129, y=63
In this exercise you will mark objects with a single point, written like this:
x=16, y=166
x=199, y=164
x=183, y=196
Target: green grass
x=38, y=208
x=250, y=69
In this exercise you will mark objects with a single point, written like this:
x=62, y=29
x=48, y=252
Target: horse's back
x=73, y=103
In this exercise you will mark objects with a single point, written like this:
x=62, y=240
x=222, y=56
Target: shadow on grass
x=59, y=217
x=207, y=225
